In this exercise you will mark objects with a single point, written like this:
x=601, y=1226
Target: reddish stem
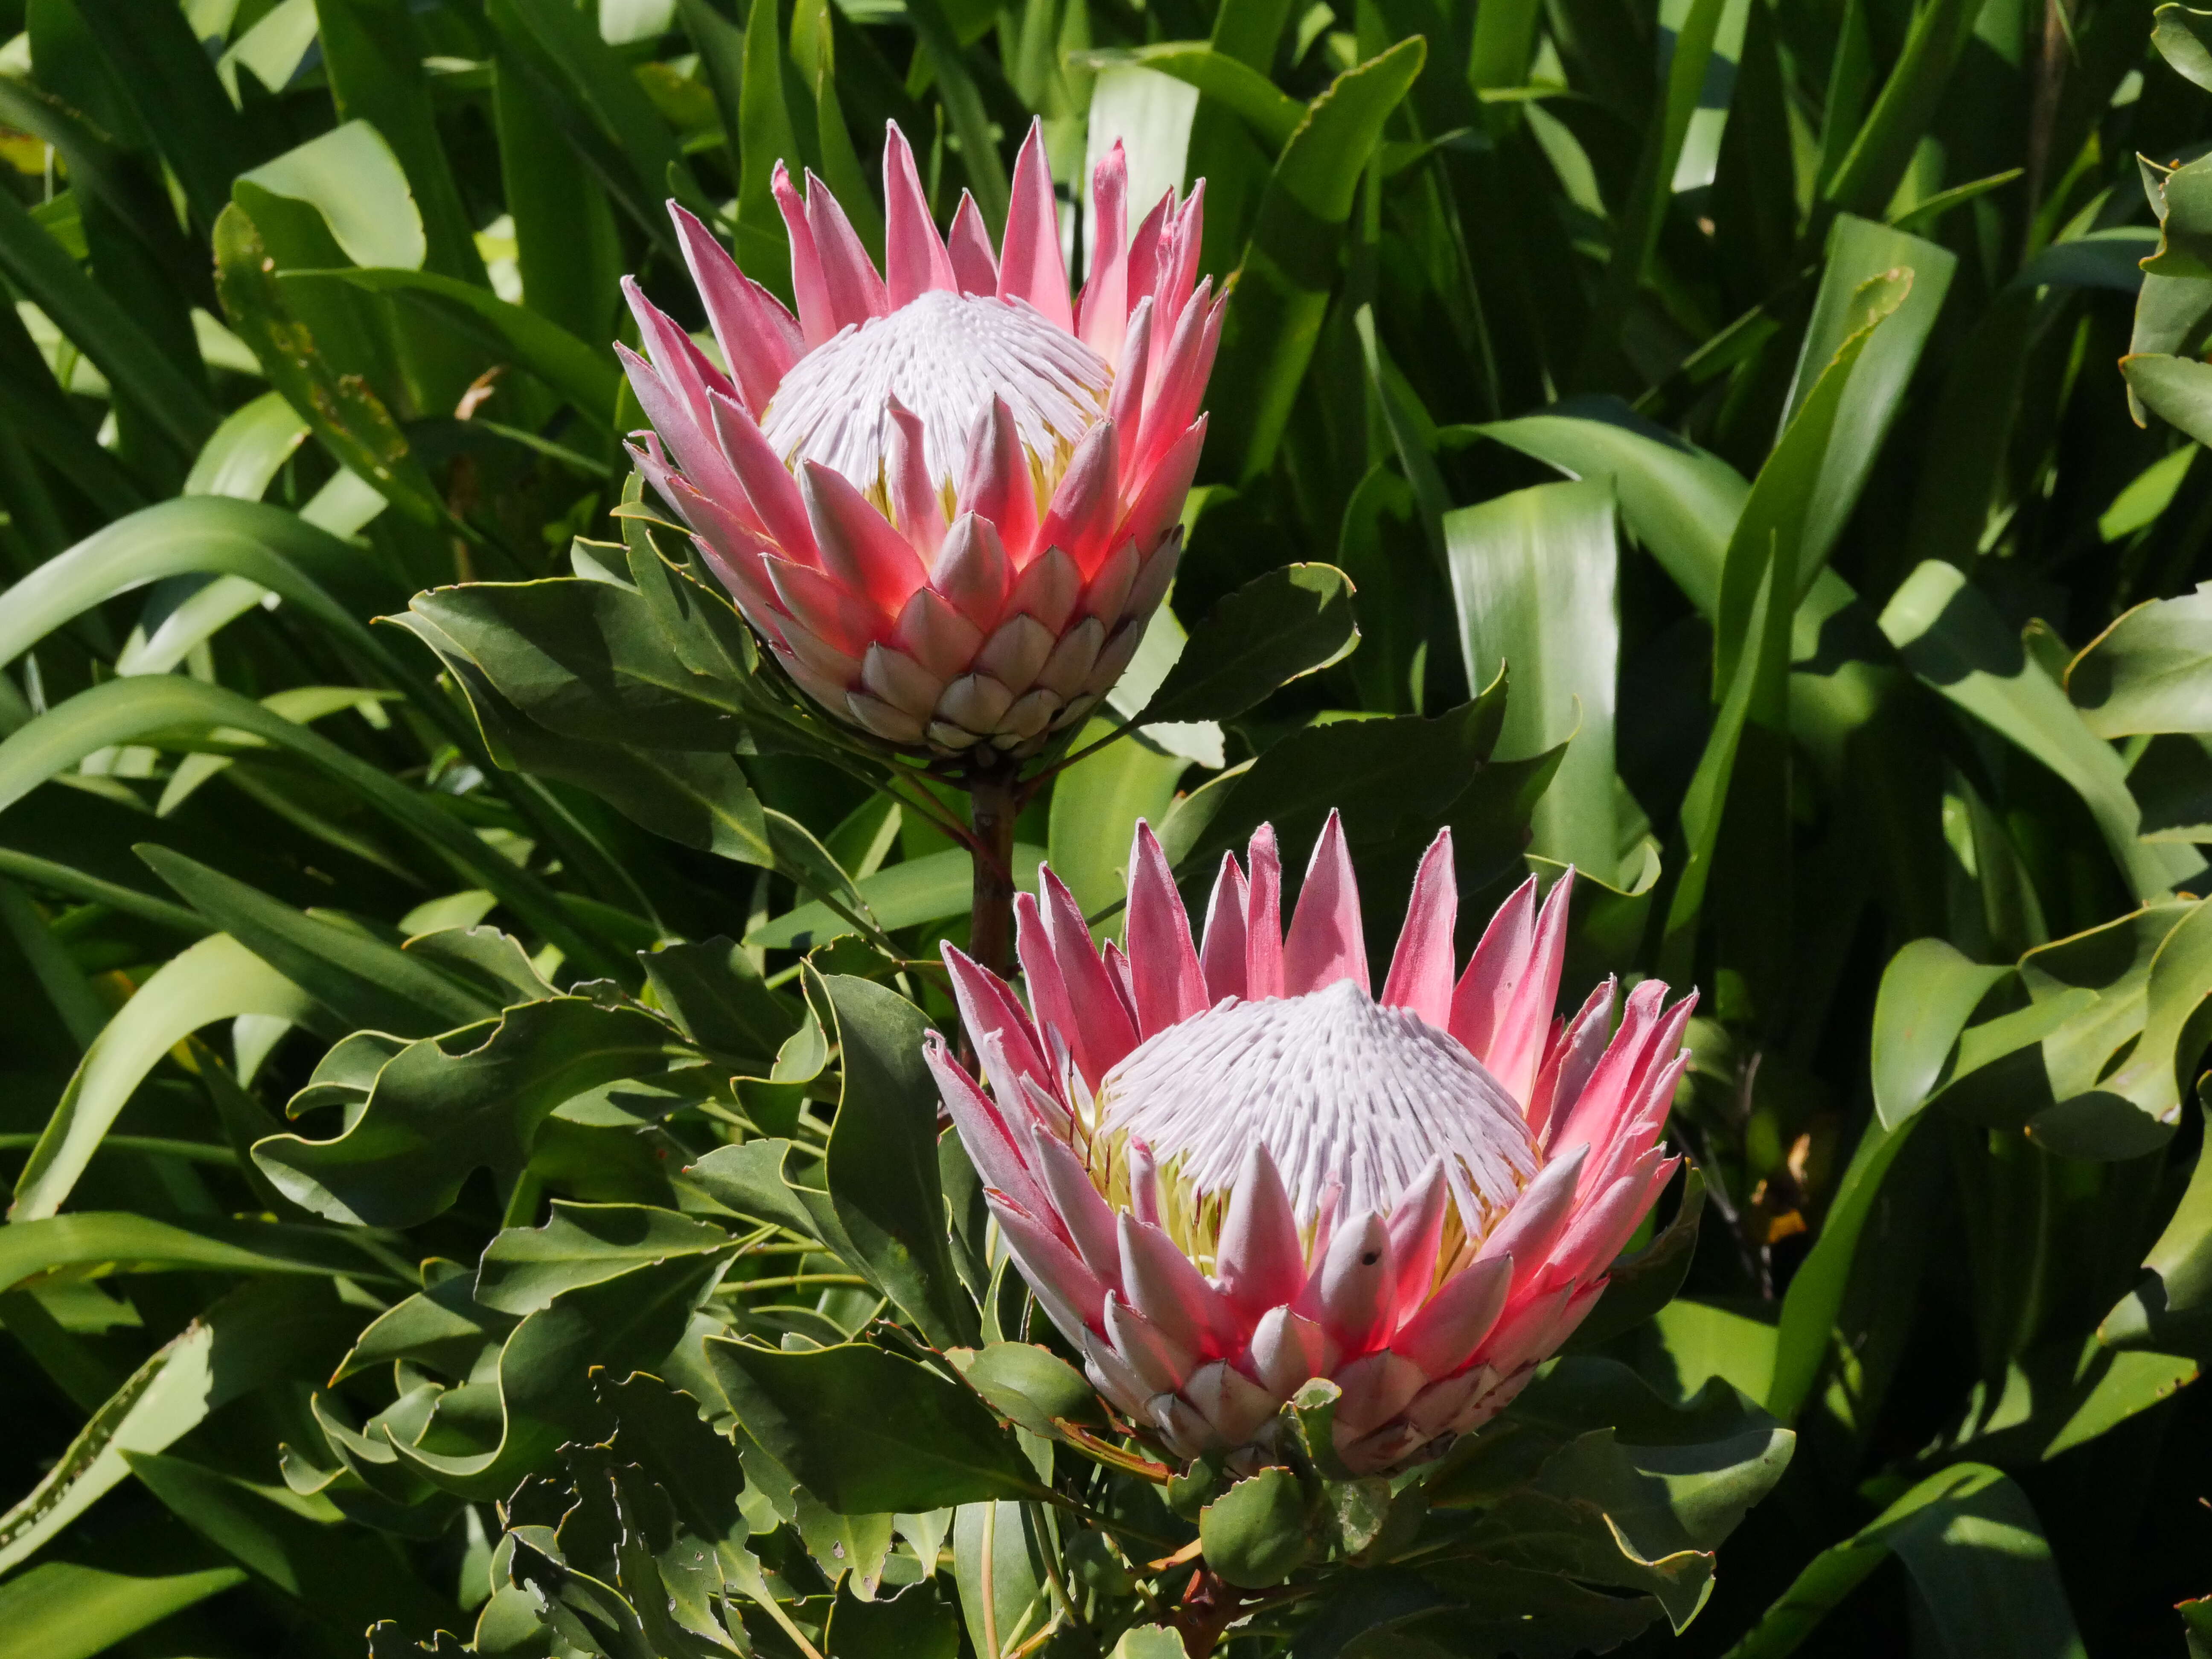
x=1210, y=1605
x=992, y=808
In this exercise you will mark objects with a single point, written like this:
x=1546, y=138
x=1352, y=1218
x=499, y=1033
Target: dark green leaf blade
x=869, y=1431
x=440, y=1107
x=1276, y=628
x=881, y=1160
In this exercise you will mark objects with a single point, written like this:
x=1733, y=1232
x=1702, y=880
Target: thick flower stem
x=993, y=807
x=1209, y=1606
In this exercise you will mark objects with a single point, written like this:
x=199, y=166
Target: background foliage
x=1741, y=374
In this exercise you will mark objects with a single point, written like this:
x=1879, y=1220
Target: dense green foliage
x=448, y=1023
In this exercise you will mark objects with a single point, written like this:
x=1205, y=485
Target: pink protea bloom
x=1228, y=1169
x=946, y=496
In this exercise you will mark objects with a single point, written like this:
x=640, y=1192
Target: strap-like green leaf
x=218, y=978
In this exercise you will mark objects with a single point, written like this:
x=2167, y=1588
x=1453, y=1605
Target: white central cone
x=1338, y=1089
x=943, y=356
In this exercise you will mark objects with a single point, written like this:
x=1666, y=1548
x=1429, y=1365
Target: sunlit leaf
x=443, y=1107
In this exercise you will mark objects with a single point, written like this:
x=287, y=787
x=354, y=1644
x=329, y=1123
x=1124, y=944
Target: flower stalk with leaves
x=946, y=495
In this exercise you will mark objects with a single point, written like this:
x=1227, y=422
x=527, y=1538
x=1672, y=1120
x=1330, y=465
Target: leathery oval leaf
x=1276, y=628
x=1028, y=1385
x=869, y=1431
x=1254, y=1534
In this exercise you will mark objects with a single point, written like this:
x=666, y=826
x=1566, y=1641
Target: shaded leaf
x=443, y=1107
x=1952, y=638
x=1028, y=1385
x=361, y=980
x=2151, y=670
x=525, y=1268
x=344, y=412
x=1284, y=280
x=916, y=1624
x=1095, y=806
x=1256, y=1532
x=599, y=107
x=102, y=329
x=1809, y=1306
x=484, y=1437
x=750, y=1178
x=1970, y=1541
x=255, y=1335
x=881, y=1164
x=870, y=1432
x=2169, y=1305
x=59, y=1610
x=306, y=1558
x=711, y=989
x=1275, y=628
x=584, y=659
x=934, y=887
x=92, y=1239
x=1928, y=993
x=585, y=376
x=1391, y=778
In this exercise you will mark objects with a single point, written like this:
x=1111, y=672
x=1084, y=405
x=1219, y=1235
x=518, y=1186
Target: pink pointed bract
x=1229, y=1168
x=946, y=496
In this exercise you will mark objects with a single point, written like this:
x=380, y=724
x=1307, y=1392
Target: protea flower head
x=1225, y=1169
x=946, y=496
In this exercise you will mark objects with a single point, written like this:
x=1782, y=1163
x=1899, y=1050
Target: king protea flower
x=1227, y=1170
x=944, y=495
